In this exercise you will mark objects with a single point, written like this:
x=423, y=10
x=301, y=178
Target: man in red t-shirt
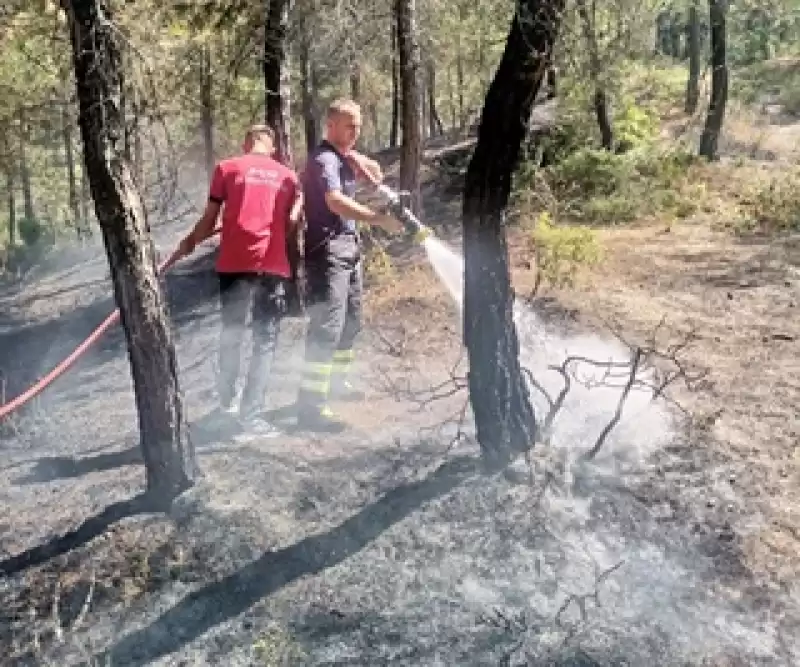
x=262, y=203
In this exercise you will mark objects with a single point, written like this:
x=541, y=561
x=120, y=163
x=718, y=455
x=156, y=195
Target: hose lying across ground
x=411, y=223
x=42, y=383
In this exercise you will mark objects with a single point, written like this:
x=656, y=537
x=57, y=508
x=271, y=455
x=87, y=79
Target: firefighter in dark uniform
x=332, y=259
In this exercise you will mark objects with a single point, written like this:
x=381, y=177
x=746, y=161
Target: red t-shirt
x=258, y=193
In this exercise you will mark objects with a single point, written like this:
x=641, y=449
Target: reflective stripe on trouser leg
x=342, y=362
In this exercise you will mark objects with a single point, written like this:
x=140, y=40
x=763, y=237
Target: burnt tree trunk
x=276, y=77
x=409, y=58
x=693, y=39
x=168, y=454
x=504, y=416
x=709, y=140
x=207, y=109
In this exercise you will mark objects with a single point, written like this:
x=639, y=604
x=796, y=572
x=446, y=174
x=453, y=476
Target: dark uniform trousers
x=264, y=298
x=334, y=286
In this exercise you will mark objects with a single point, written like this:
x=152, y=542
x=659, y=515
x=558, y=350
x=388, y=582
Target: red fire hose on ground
x=394, y=199
x=42, y=383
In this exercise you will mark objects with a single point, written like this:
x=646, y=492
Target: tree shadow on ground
x=86, y=532
x=217, y=602
x=209, y=430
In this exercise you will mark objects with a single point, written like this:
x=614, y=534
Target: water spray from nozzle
x=403, y=213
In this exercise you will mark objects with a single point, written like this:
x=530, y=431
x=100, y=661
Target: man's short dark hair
x=260, y=131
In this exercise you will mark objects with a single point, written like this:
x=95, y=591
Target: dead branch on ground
x=652, y=368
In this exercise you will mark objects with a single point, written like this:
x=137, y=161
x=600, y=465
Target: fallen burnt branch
x=651, y=368
x=455, y=384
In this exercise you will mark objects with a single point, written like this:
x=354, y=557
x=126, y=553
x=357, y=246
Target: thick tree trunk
x=394, y=131
x=409, y=56
x=168, y=454
x=69, y=158
x=709, y=140
x=207, y=109
x=276, y=76
x=499, y=395
x=693, y=38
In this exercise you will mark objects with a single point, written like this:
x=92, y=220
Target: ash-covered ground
x=382, y=545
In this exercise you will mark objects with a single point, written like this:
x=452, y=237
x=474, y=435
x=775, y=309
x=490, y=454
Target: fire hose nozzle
x=399, y=210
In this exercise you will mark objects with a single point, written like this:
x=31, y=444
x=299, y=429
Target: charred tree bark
x=207, y=109
x=409, y=57
x=276, y=77
x=709, y=141
x=693, y=39
x=168, y=454
x=504, y=416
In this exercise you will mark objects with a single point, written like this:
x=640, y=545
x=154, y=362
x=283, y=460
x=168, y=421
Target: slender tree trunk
x=307, y=83
x=24, y=169
x=86, y=196
x=168, y=454
x=600, y=98
x=434, y=122
x=207, y=109
x=276, y=76
x=499, y=394
x=376, y=126
x=411, y=150
x=355, y=80
x=12, y=206
x=462, y=115
x=693, y=38
x=395, y=127
x=69, y=158
x=709, y=141
x=10, y=171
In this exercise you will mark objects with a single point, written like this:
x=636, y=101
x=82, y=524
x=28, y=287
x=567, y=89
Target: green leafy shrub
x=634, y=125
x=561, y=251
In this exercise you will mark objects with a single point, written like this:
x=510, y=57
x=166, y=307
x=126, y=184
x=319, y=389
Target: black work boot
x=320, y=419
